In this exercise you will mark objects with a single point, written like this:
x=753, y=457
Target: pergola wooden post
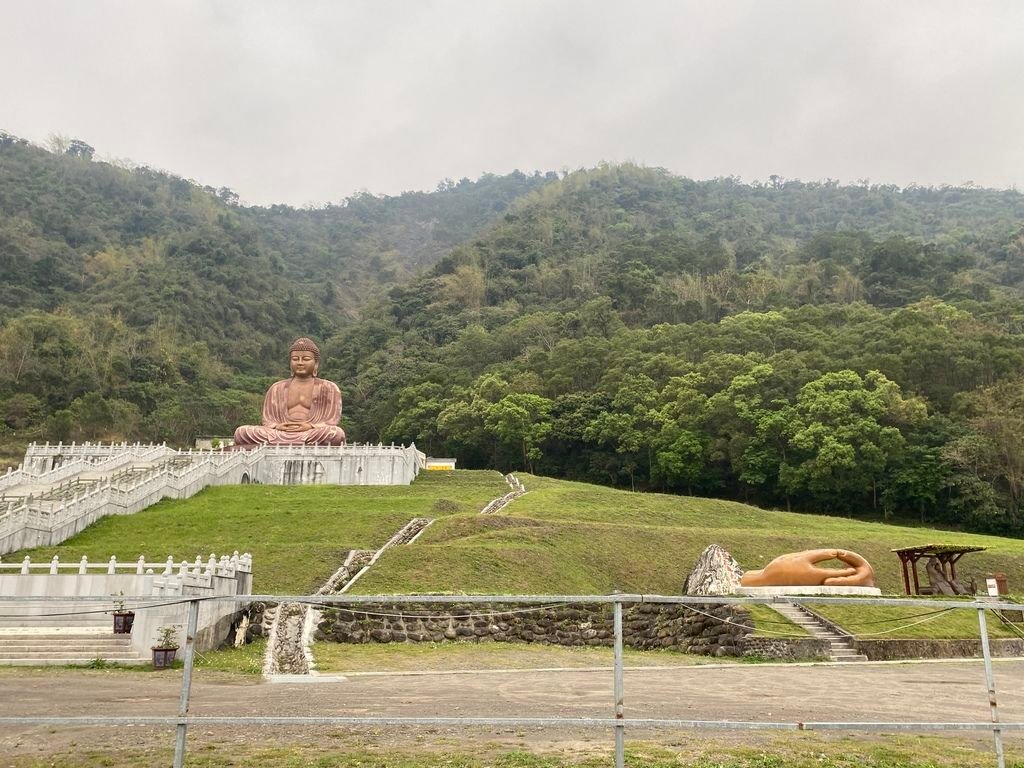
x=946, y=554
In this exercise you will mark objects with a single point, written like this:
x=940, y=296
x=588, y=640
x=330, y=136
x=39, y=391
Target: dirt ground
x=781, y=693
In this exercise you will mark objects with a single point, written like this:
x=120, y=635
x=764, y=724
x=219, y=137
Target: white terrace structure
x=33, y=631
x=61, y=489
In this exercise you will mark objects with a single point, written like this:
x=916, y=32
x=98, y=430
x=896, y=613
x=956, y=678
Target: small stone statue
x=798, y=569
x=302, y=410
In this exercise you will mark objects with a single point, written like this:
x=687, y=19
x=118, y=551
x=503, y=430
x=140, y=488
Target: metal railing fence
x=618, y=722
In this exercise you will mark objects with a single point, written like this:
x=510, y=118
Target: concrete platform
x=821, y=591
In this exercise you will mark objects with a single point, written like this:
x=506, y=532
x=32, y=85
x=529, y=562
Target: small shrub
x=447, y=505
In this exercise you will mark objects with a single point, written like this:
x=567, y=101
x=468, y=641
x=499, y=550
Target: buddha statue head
x=304, y=357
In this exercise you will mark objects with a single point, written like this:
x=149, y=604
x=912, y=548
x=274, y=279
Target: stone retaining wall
x=644, y=626
x=890, y=649
x=787, y=649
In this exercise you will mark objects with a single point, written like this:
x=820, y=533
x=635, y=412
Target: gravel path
x=852, y=692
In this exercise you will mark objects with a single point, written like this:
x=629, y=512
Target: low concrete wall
x=344, y=465
x=717, y=631
x=888, y=650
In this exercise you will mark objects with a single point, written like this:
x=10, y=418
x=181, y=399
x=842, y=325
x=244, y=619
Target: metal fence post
x=620, y=726
x=186, y=683
x=997, y=733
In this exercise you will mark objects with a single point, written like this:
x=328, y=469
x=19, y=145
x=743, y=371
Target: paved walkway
x=852, y=692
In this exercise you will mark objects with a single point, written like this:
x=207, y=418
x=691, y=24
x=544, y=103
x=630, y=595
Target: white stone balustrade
x=224, y=566
x=129, y=583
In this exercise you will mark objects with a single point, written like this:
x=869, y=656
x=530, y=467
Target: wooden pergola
x=946, y=554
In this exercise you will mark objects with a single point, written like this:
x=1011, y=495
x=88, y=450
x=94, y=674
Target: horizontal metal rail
x=567, y=722
x=349, y=599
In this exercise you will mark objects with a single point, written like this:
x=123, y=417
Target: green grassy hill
x=560, y=538
x=579, y=538
x=298, y=535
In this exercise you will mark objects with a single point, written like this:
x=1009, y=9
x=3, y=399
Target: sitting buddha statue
x=302, y=410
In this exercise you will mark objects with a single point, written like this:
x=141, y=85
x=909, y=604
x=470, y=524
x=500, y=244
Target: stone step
x=68, y=647
x=74, y=633
x=840, y=646
x=68, y=653
x=48, y=644
x=40, y=638
x=54, y=623
x=64, y=661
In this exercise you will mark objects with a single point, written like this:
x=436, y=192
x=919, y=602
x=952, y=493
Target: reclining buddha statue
x=302, y=410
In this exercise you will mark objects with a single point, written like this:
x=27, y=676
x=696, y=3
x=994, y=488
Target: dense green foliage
x=626, y=326
x=853, y=349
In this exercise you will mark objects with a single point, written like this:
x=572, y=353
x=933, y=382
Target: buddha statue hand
x=295, y=426
x=800, y=569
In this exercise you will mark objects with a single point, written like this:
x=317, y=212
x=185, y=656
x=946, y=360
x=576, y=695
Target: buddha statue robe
x=323, y=418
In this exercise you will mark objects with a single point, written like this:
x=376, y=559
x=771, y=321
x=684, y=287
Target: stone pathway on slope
x=498, y=504
x=290, y=626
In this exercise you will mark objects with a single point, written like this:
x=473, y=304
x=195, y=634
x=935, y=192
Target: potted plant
x=166, y=647
x=123, y=619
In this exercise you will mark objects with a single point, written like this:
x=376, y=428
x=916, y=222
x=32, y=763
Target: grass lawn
x=578, y=538
x=448, y=657
x=298, y=535
x=341, y=749
x=880, y=622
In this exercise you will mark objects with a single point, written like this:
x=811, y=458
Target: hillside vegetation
x=849, y=349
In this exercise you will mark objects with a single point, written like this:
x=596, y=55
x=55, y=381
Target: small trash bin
x=1001, y=587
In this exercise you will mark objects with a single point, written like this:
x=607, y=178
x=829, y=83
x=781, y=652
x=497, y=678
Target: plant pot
x=163, y=658
x=123, y=621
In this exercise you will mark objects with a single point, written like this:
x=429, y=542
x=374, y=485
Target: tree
x=993, y=450
x=78, y=148
x=841, y=438
x=524, y=420
x=678, y=457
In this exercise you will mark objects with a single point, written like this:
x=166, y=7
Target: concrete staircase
x=57, y=633
x=55, y=646
x=842, y=648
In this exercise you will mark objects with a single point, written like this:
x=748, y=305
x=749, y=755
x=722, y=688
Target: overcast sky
x=308, y=102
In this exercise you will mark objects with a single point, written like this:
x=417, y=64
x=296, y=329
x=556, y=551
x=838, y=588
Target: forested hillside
x=851, y=349
x=137, y=304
